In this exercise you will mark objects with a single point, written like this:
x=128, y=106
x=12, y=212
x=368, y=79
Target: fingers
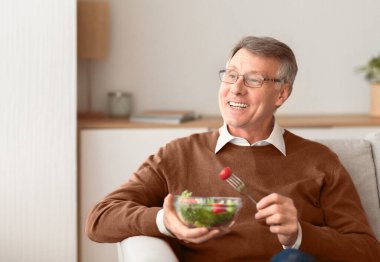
x=182, y=232
x=203, y=238
x=272, y=199
x=276, y=207
x=280, y=214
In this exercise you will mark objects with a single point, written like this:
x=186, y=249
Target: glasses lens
x=229, y=76
x=253, y=80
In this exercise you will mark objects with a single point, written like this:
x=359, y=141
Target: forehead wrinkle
x=243, y=58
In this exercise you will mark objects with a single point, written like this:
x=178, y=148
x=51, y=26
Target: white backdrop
x=38, y=204
x=167, y=52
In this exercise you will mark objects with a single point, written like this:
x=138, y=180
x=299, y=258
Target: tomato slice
x=189, y=200
x=225, y=173
x=218, y=208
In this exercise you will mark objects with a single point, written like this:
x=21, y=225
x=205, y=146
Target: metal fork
x=239, y=185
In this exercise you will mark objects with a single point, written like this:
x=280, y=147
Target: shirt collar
x=276, y=139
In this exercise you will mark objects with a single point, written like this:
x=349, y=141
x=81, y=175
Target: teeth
x=237, y=105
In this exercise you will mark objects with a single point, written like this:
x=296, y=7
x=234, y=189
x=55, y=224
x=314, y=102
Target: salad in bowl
x=210, y=212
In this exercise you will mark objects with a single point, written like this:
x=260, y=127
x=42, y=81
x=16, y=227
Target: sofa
x=361, y=157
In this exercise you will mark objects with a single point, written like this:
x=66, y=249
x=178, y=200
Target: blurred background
x=167, y=53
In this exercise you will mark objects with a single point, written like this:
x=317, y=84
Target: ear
x=283, y=94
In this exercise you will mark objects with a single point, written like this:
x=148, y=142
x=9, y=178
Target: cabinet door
x=107, y=158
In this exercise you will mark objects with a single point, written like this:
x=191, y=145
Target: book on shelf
x=164, y=116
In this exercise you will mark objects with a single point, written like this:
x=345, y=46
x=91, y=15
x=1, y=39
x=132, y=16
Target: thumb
x=168, y=203
x=169, y=213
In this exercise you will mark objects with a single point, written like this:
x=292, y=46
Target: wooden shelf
x=286, y=121
x=105, y=122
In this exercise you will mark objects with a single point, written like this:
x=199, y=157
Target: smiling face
x=248, y=112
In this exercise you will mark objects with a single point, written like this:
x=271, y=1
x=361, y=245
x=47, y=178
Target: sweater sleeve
x=132, y=208
x=346, y=235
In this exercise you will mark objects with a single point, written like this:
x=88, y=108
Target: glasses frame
x=263, y=79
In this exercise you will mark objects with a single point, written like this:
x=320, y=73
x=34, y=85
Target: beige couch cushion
x=356, y=156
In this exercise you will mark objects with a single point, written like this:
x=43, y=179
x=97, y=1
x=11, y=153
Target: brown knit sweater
x=333, y=222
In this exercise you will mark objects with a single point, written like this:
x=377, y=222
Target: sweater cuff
x=297, y=244
x=160, y=223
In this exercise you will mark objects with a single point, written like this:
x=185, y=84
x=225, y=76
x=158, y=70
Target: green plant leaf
x=371, y=70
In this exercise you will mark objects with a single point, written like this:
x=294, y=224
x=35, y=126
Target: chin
x=233, y=122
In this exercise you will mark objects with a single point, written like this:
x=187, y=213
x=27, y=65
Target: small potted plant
x=372, y=74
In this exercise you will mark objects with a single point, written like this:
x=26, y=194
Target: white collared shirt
x=275, y=138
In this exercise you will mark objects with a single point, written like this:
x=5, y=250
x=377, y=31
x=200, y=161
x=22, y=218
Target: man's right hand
x=182, y=232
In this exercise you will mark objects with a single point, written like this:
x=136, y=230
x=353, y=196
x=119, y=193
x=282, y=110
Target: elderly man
x=306, y=198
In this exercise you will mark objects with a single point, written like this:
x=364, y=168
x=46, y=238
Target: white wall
x=167, y=52
x=38, y=131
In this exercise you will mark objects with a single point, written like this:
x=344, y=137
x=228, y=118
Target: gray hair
x=271, y=48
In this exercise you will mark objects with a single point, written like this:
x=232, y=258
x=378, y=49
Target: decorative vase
x=375, y=100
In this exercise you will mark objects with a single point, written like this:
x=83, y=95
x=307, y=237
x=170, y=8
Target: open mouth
x=237, y=105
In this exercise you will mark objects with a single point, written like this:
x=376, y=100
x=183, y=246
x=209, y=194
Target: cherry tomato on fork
x=225, y=173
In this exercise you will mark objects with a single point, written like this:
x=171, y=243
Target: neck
x=260, y=131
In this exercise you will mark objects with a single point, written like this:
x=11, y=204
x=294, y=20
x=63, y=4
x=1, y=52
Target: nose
x=238, y=88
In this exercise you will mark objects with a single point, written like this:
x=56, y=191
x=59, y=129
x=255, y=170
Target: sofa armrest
x=374, y=139
x=145, y=248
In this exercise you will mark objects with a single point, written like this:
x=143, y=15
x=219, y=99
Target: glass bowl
x=210, y=212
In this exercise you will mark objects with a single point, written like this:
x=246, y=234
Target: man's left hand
x=280, y=215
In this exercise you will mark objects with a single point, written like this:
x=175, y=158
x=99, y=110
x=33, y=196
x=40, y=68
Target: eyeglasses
x=251, y=79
